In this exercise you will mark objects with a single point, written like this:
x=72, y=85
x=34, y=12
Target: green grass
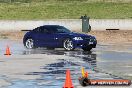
x=64, y=10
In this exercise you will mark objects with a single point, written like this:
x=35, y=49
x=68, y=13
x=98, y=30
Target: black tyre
x=84, y=82
x=87, y=48
x=68, y=44
x=29, y=43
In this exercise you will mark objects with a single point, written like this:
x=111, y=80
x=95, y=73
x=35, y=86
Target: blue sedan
x=55, y=36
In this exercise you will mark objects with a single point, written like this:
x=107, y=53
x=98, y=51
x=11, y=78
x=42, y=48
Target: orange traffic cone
x=68, y=81
x=7, y=51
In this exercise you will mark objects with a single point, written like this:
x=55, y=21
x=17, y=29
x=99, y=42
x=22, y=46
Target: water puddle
x=101, y=63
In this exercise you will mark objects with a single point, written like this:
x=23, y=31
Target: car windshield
x=62, y=29
x=59, y=29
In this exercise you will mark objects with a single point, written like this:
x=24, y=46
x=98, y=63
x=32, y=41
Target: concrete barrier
x=73, y=24
x=103, y=24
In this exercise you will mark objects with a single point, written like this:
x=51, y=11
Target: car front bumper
x=84, y=43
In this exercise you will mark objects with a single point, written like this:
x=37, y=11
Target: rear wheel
x=68, y=44
x=87, y=48
x=29, y=44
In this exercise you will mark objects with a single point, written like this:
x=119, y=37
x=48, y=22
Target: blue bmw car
x=55, y=36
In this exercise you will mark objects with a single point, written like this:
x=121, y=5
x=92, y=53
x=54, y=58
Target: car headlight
x=77, y=38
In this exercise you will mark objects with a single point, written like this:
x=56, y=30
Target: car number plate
x=90, y=42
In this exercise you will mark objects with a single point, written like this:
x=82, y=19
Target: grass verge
x=65, y=10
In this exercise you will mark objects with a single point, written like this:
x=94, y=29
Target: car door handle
x=56, y=38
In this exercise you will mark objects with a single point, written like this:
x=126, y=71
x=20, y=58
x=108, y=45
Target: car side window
x=37, y=29
x=43, y=30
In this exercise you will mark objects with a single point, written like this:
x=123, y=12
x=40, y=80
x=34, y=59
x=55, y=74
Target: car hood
x=79, y=34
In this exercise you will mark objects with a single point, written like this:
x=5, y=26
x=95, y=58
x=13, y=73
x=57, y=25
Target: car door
x=53, y=37
x=46, y=38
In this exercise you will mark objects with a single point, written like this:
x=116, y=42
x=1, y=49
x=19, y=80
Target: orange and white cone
x=8, y=51
x=68, y=81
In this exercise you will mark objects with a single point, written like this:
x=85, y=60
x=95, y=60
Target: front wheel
x=29, y=43
x=68, y=44
x=87, y=48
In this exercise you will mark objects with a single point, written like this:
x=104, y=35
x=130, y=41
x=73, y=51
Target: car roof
x=51, y=25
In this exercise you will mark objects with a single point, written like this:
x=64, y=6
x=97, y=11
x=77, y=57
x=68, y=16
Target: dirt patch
x=109, y=36
x=11, y=35
x=113, y=36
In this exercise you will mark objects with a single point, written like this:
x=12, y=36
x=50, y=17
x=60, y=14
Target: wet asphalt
x=104, y=62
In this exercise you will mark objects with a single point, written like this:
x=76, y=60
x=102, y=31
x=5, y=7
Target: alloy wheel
x=29, y=44
x=68, y=45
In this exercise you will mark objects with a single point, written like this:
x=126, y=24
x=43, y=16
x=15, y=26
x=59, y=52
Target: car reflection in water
x=54, y=73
